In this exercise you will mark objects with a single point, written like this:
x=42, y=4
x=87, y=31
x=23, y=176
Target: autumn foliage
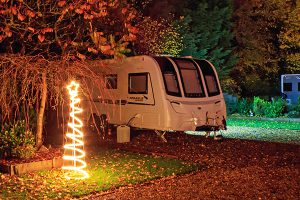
x=79, y=28
x=268, y=44
x=158, y=37
x=45, y=43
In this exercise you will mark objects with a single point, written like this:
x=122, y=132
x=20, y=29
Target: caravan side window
x=138, y=83
x=298, y=86
x=287, y=87
x=111, y=81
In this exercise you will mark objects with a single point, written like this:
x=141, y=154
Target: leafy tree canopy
x=289, y=37
x=267, y=39
x=158, y=37
x=207, y=34
x=81, y=28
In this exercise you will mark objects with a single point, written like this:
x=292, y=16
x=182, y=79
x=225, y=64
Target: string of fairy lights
x=74, y=153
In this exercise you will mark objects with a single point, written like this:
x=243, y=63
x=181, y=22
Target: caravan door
x=140, y=107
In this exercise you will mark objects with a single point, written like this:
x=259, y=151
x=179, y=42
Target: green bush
x=263, y=108
x=244, y=106
x=275, y=108
x=24, y=151
x=293, y=114
x=258, y=106
x=294, y=110
x=17, y=141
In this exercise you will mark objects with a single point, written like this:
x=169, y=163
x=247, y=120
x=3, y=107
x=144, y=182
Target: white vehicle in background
x=290, y=88
x=160, y=93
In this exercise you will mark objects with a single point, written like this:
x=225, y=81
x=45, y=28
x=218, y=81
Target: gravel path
x=232, y=169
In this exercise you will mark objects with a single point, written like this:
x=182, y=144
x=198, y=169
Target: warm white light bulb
x=76, y=136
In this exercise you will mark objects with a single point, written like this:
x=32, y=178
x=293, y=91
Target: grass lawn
x=264, y=130
x=107, y=169
x=254, y=122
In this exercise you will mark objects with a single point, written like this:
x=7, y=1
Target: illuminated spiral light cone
x=74, y=154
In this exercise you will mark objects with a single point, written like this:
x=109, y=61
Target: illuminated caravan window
x=191, y=79
x=169, y=76
x=210, y=78
x=138, y=83
x=111, y=81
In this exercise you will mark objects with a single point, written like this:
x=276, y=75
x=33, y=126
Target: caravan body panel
x=155, y=93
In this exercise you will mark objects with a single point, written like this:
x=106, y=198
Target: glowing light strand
x=76, y=137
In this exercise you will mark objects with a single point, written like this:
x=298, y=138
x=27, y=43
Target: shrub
x=293, y=114
x=274, y=108
x=294, y=110
x=258, y=106
x=244, y=106
x=17, y=141
x=24, y=151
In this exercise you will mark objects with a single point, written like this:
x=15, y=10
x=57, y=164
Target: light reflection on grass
x=107, y=169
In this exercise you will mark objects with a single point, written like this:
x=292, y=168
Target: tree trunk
x=39, y=131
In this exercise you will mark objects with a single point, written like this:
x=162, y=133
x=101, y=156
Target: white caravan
x=160, y=93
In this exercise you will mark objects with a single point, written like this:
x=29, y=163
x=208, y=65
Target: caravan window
x=210, y=78
x=169, y=75
x=191, y=78
x=298, y=86
x=111, y=81
x=287, y=87
x=138, y=83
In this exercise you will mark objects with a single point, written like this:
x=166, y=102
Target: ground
x=232, y=169
x=229, y=168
